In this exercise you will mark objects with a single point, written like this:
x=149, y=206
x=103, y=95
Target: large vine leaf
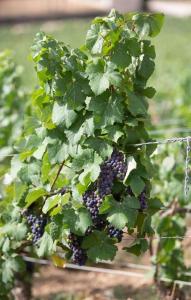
x=34, y=195
x=46, y=246
x=10, y=266
x=107, y=109
x=120, y=214
x=63, y=115
x=99, y=246
x=136, y=105
x=102, y=75
x=148, y=24
x=139, y=247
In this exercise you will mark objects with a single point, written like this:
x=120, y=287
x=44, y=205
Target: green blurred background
x=173, y=48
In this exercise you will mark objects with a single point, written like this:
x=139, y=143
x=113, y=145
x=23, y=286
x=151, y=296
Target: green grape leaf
x=80, y=161
x=34, y=195
x=80, y=129
x=63, y=115
x=46, y=246
x=120, y=57
x=149, y=92
x=146, y=67
x=136, y=105
x=107, y=109
x=38, y=154
x=103, y=148
x=10, y=266
x=19, y=190
x=45, y=168
x=83, y=221
x=88, y=161
x=50, y=203
x=114, y=133
x=120, y=214
x=30, y=173
x=138, y=248
x=136, y=183
x=95, y=38
x=148, y=24
x=99, y=246
x=102, y=75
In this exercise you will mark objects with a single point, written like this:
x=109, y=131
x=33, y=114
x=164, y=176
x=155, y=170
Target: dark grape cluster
x=105, y=180
x=112, y=168
x=79, y=256
x=117, y=164
x=37, y=225
x=115, y=233
x=143, y=200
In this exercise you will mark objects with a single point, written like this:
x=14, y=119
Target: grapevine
x=75, y=152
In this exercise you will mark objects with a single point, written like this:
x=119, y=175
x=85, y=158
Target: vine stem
x=175, y=210
x=55, y=179
x=57, y=175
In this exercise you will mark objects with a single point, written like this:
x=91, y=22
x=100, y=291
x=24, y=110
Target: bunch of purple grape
x=112, y=168
x=117, y=164
x=37, y=225
x=79, y=256
x=115, y=233
x=105, y=180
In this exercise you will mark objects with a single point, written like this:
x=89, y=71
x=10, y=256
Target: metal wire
x=104, y=270
x=165, y=141
x=158, y=238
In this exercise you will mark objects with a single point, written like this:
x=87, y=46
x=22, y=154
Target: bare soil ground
x=90, y=286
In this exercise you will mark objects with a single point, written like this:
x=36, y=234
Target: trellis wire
x=158, y=238
x=165, y=141
x=103, y=270
x=130, y=265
